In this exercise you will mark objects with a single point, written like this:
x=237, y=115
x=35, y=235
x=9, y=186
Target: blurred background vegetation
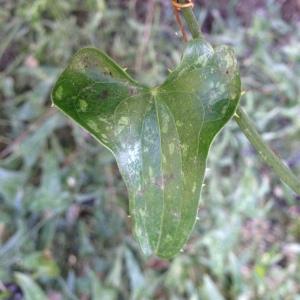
x=64, y=226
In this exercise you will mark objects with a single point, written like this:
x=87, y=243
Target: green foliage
x=160, y=136
x=30, y=289
x=247, y=242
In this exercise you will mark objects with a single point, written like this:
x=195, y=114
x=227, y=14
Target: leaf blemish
x=107, y=72
x=159, y=182
x=132, y=90
x=124, y=121
x=93, y=125
x=83, y=105
x=179, y=123
x=171, y=148
x=165, y=128
x=194, y=187
x=59, y=93
x=104, y=94
x=150, y=170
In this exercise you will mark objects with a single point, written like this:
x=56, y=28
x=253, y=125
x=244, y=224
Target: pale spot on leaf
x=171, y=148
x=92, y=124
x=59, y=93
x=83, y=105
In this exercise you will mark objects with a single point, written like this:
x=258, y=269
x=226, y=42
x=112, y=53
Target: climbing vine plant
x=160, y=136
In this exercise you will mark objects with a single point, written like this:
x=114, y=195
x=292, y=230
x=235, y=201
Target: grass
x=64, y=229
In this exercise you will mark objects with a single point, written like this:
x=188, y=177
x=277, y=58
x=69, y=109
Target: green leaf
x=135, y=275
x=160, y=136
x=49, y=196
x=41, y=264
x=38, y=139
x=30, y=289
x=210, y=290
x=99, y=291
x=10, y=183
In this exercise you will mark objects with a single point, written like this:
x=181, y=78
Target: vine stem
x=245, y=123
x=268, y=156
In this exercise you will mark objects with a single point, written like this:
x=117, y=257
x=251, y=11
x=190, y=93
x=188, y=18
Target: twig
x=268, y=156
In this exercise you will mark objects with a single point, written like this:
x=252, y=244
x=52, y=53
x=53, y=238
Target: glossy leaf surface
x=160, y=136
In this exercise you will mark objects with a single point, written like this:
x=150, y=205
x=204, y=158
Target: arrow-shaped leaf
x=160, y=136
